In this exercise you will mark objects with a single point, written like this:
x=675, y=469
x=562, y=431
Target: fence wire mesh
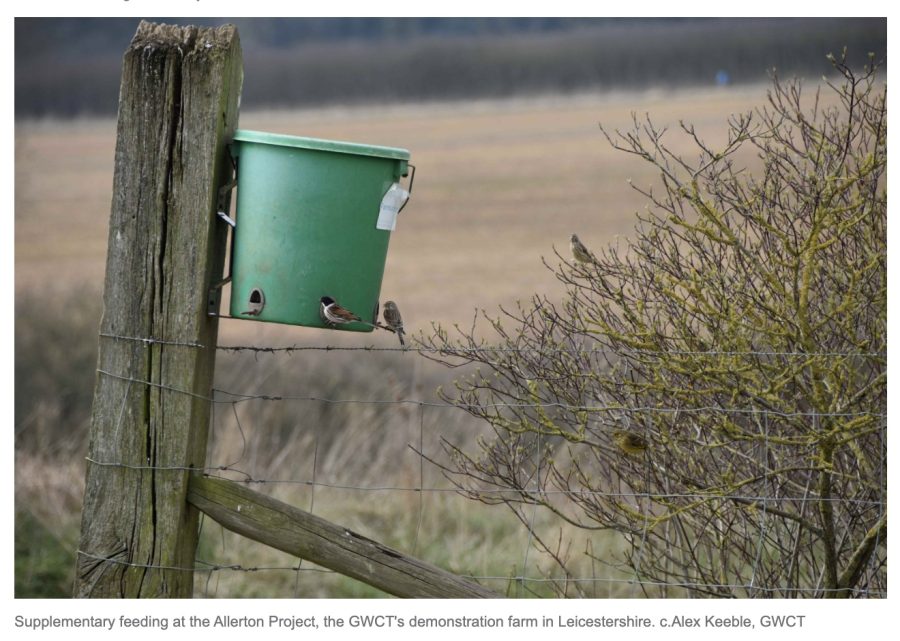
x=371, y=448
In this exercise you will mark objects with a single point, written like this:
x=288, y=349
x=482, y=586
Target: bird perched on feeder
x=334, y=314
x=581, y=253
x=394, y=320
x=630, y=442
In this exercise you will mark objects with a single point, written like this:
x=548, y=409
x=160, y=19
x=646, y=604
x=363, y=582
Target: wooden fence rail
x=314, y=539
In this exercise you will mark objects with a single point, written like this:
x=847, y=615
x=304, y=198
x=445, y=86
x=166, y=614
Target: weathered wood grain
x=314, y=539
x=178, y=108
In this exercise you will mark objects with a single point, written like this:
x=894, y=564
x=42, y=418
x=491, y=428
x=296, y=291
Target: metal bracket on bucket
x=223, y=202
x=412, y=176
x=215, y=297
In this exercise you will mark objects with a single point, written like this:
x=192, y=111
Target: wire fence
x=235, y=455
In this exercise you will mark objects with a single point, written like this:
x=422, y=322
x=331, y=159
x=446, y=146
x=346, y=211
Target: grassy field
x=498, y=185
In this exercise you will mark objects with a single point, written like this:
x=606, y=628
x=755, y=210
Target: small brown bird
x=334, y=314
x=581, y=253
x=630, y=442
x=394, y=320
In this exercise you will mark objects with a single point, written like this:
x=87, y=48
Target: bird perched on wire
x=394, y=320
x=630, y=442
x=581, y=253
x=334, y=314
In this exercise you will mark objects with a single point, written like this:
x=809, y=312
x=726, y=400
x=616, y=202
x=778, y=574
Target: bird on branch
x=581, y=253
x=629, y=442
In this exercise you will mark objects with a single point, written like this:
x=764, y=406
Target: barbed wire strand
x=455, y=351
x=151, y=341
x=487, y=349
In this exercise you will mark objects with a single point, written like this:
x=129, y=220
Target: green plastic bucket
x=313, y=219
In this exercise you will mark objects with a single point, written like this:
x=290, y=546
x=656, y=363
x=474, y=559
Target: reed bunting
x=334, y=314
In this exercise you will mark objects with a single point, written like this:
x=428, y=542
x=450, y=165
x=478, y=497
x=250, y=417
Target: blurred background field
x=507, y=168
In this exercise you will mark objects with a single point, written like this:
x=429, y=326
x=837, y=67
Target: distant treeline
x=72, y=66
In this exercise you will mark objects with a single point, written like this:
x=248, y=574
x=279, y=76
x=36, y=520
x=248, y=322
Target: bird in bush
x=394, y=320
x=582, y=254
x=334, y=314
x=630, y=442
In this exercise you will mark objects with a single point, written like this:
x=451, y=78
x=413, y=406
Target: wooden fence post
x=178, y=108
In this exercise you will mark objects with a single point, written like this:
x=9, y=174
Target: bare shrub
x=715, y=391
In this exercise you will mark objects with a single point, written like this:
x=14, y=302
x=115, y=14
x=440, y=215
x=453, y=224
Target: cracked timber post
x=178, y=108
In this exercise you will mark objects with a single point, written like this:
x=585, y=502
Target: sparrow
x=394, y=321
x=334, y=314
x=581, y=253
x=630, y=442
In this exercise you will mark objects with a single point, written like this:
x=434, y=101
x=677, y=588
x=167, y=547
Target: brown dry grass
x=499, y=183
